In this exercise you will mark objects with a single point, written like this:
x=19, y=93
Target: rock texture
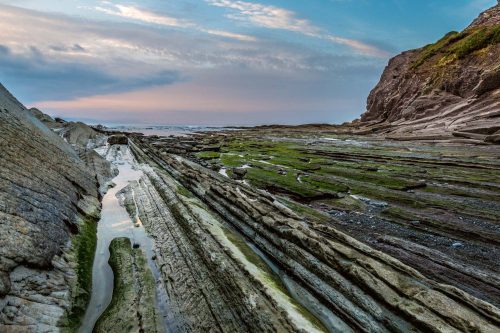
x=449, y=88
x=83, y=139
x=132, y=308
x=118, y=140
x=46, y=193
x=361, y=288
x=212, y=284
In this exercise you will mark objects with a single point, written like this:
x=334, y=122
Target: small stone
x=239, y=173
x=457, y=245
x=136, y=245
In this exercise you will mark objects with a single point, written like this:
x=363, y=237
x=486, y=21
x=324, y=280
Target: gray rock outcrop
x=46, y=194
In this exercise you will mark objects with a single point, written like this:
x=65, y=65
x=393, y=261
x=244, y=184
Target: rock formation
x=133, y=306
x=185, y=206
x=48, y=200
x=451, y=87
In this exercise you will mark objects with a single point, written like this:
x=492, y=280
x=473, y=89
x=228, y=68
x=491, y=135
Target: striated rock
x=47, y=194
x=132, y=308
x=362, y=288
x=46, y=119
x=451, y=86
x=77, y=134
x=104, y=171
x=494, y=138
x=210, y=282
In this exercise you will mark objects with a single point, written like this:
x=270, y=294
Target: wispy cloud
x=280, y=18
x=142, y=15
x=360, y=46
x=138, y=14
x=267, y=16
x=232, y=35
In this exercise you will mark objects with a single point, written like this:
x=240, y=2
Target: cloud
x=359, y=46
x=267, y=16
x=279, y=18
x=232, y=35
x=131, y=70
x=146, y=16
x=42, y=79
x=135, y=13
x=123, y=48
x=4, y=50
x=64, y=48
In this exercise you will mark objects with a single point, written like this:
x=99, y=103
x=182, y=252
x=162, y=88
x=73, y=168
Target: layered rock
x=83, y=139
x=47, y=194
x=451, y=87
x=77, y=134
x=213, y=281
x=133, y=306
x=362, y=288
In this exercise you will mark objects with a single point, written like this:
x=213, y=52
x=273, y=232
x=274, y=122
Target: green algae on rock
x=132, y=307
x=82, y=253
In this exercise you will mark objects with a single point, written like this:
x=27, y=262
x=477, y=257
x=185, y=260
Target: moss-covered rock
x=82, y=253
x=132, y=307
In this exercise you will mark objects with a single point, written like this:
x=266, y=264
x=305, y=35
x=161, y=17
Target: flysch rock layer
x=450, y=88
x=211, y=284
x=83, y=139
x=46, y=192
x=133, y=306
x=365, y=289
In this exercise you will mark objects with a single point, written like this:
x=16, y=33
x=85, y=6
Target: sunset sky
x=216, y=62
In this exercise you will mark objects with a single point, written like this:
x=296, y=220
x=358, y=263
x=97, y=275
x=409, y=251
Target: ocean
x=167, y=130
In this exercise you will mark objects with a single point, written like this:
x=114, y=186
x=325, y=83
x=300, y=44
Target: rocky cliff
x=451, y=87
x=48, y=210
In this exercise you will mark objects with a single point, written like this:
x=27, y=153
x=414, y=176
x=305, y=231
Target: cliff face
x=47, y=195
x=449, y=87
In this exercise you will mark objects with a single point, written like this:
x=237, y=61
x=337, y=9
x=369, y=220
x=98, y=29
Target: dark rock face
x=239, y=173
x=46, y=190
x=451, y=85
x=118, y=140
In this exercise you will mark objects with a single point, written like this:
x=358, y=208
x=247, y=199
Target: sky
x=212, y=62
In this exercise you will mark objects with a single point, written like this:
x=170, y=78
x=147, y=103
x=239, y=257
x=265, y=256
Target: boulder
x=118, y=139
x=239, y=173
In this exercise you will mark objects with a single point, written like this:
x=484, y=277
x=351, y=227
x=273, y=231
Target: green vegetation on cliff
x=455, y=45
x=468, y=42
x=83, y=251
x=432, y=49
